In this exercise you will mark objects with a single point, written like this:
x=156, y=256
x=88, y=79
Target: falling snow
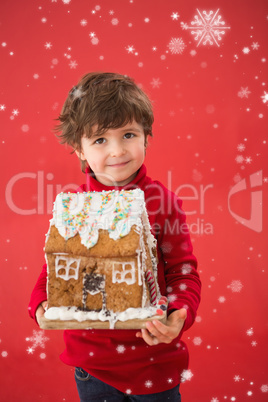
x=235, y=286
x=176, y=46
x=37, y=340
x=244, y=92
x=207, y=28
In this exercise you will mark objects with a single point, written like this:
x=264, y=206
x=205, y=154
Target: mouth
x=118, y=165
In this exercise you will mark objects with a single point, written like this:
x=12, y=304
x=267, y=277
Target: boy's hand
x=156, y=332
x=40, y=310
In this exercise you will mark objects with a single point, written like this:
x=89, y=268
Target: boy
x=107, y=119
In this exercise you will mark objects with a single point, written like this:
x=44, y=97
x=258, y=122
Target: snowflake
x=246, y=50
x=38, y=339
x=250, y=332
x=221, y=299
x=115, y=21
x=237, y=378
x=241, y=147
x=172, y=298
x=255, y=45
x=182, y=286
x=73, y=64
x=156, y=83
x=128, y=391
x=239, y=159
x=170, y=380
x=148, y=384
x=186, y=375
x=207, y=28
x=2, y=107
x=235, y=286
x=248, y=160
x=214, y=400
x=92, y=34
x=186, y=269
x=66, y=1
x=264, y=388
x=176, y=46
x=120, y=349
x=15, y=112
x=111, y=12
x=265, y=97
x=197, y=341
x=48, y=45
x=254, y=343
x=175, y=16
x=130, y=49
x=244, y=92
x=83, y=23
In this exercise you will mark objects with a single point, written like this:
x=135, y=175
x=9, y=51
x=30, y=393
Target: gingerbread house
x=101, y=257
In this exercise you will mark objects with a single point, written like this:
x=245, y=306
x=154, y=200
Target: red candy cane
x=150, y=280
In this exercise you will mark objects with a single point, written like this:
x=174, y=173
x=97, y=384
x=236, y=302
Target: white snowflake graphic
x=170, y=380
x=214, y=400
x=255, y=45
x=186, y=375
x=83, y=23
x=73, y=64
x=265, y=97
x=38, y=340
x=48, y=45
x=235, y=286
x=237, y=378
x=264, y=388
x=250, y=332
x=2, y=107
x=175, y=16
x=197, y=341
x=244, y=92
x=241, y=147
x=130, y=49
x=221, y=299
x=176, y=45
x=246, y=50
x=120, y=349
x=128, y=391
x=239, y=159
x=182, y=287
x=186, y=269
x=254, y=343
x=156, y=82
x=207, y=27
x=148, y=384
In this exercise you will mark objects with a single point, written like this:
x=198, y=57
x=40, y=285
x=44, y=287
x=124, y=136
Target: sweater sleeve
x=183, y=284
x=39, y=293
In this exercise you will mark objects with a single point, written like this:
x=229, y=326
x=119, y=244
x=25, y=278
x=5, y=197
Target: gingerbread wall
x=204, y=65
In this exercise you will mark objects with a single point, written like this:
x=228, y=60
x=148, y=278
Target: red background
x=210, y=133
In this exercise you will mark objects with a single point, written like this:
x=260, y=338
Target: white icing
x=72, y=313
x=86, y=213
x=119, y=275
x=70, y=267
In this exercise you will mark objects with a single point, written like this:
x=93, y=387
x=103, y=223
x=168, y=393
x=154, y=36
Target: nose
x=116, y=149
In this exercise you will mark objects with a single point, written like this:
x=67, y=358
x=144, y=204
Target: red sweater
x=117, y=357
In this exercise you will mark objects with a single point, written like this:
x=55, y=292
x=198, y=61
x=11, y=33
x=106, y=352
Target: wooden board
x=89, y=324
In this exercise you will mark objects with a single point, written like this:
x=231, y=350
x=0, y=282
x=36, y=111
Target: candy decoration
x=150, y=280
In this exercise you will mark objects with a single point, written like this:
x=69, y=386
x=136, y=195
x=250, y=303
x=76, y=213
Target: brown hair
x=108, y=100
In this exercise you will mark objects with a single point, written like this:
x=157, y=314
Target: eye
x=129, y=135
x=100, y=141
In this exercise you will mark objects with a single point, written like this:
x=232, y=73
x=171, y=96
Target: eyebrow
x=125, y=130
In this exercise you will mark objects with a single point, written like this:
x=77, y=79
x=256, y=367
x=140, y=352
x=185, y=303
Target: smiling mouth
x=115, y=165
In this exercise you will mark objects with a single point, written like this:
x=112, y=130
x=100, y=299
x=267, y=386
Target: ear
x=80, y=155
x=146, y=142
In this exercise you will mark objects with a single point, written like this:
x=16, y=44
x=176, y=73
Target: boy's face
x=115, y=156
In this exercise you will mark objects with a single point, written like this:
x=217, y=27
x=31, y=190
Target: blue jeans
x=92, y=389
